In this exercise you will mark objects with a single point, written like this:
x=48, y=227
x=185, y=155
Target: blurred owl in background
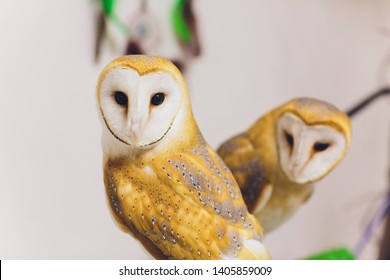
x=276, y=161
x=165, y=185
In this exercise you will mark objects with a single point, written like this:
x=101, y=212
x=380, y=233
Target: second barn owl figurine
x=276, y=161
x=163, y=182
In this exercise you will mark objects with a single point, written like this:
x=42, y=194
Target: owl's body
x=276, y=161
x=183, y=200
x=163, y=182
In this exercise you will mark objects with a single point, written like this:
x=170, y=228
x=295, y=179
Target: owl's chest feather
x=182, y=212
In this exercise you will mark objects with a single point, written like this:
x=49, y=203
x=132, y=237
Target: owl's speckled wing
x=188, y=204
x=240, y=156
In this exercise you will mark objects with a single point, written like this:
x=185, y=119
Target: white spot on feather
x=251, y=249
x=265, y=196
x=148, y=170
x=255, y=247
x=123, y=191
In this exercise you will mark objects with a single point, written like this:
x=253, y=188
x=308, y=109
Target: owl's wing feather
x=115, y=183
x=240, y=156
x=188, y=204
x=254, y=249
x=200, y=176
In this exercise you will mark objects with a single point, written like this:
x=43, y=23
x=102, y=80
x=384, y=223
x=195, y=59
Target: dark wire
x=355, y=109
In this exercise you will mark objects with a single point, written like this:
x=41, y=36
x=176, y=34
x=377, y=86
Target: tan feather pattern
x=188, y=204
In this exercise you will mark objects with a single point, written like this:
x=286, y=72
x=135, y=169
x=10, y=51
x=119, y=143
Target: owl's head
x=312, y=137
x=140, y=99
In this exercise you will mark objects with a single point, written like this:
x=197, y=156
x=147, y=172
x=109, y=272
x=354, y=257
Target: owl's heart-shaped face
x=308, y=152
x=139, y=110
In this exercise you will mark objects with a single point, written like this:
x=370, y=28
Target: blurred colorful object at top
x=159, y=27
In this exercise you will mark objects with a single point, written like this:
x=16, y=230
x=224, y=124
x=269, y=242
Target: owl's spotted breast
x=187, y=204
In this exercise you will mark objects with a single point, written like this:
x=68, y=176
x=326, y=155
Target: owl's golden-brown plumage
x=174, y=194
x=272, y=189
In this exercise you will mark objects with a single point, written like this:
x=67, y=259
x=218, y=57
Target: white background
x=256, y=55
x=110, y=269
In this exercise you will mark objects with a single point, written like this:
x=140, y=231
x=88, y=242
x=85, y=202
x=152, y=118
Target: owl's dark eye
x=319, y=147
x=120, y=98
x=289, y=139
x=157, y=99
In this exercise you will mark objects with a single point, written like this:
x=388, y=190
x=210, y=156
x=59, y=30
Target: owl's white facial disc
x=307, y=152
x=139, y=110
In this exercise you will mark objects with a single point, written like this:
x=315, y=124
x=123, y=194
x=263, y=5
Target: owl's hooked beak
x=297, y=168
x=300, y=157
x=136, y=128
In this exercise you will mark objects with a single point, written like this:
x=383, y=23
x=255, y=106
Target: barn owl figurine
x=164, y=184
x=276, y=161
